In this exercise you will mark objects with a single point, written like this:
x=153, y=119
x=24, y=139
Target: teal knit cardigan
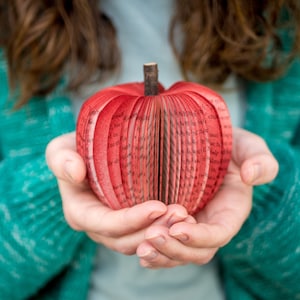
x=42, y=258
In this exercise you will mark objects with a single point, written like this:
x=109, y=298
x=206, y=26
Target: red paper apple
x=141, y=142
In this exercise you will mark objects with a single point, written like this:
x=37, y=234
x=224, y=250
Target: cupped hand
x=120, y=230
x=169, y=245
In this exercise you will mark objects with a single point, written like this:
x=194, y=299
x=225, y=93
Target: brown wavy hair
x=45, y=40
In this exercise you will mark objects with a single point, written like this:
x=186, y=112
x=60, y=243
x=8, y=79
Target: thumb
x=251, y=153
x=63, y=159
x=260, y=169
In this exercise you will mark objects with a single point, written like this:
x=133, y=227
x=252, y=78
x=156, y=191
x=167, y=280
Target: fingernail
x=154, y=215
x=180, y=236
x=174, y=218
x=68, y=169
x=149, y=255
x=190, y=220
x=255, y=173
x=158, y=240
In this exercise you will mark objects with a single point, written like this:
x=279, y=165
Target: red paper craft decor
x=141, y=142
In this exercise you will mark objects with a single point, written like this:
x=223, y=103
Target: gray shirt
x=142, y=28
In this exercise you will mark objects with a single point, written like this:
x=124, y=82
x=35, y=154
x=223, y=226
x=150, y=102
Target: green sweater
x=42, y=258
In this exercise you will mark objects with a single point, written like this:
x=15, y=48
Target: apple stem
x=150, y=79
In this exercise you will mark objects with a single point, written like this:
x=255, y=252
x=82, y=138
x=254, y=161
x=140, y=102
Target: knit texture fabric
x=39, y=254
x=262, y=261
x=42, y=258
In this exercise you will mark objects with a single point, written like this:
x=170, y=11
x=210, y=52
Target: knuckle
x=261, y=141
x=127, y=251
x=71, y=220
x=122, y=248
x=106, y=232
x=223, y=241
x=206, y=257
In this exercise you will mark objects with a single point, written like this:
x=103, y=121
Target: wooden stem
x=151, y=79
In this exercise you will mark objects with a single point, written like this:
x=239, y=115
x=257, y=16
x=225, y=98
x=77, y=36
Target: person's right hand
x=120, y=230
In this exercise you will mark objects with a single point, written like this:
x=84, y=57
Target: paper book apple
x=141, y=142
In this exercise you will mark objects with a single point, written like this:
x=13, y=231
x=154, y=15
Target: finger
x=175, y=213
x=252, y=155
x=63, y=159
x=259, y=169
x=171, y=248
x=85, y=212
x=153, y=259
x=126, y=244
x=204, y=235
x=221, y=218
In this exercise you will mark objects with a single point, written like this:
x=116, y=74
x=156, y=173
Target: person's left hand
x=197, y=242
